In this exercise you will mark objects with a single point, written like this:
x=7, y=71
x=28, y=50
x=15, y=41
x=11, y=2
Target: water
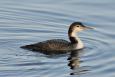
x=24, y=22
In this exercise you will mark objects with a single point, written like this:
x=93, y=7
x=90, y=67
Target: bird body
x=50, y=45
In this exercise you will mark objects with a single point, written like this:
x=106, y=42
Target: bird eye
x=77, y=25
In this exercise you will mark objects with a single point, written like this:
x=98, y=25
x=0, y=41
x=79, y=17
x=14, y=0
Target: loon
x=59, y=44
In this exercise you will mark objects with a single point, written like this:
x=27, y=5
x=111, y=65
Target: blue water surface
x=25, y=22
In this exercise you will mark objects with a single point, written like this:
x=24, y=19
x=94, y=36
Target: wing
x=49, y=45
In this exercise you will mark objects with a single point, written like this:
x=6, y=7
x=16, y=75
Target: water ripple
x=29, y=21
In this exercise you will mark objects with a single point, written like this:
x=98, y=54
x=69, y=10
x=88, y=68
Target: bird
x=59, y=45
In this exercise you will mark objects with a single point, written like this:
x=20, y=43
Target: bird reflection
x=74, y=63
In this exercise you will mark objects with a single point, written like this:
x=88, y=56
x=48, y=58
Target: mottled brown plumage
x=51, y=45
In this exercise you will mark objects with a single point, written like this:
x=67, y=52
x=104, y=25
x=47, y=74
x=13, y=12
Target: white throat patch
x=80, y=44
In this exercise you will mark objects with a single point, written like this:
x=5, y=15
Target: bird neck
x=75, y=39
x=72, y=37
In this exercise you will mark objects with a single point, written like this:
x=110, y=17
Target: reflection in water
x=51, y=52
x=74, y=63
x=73, y=60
